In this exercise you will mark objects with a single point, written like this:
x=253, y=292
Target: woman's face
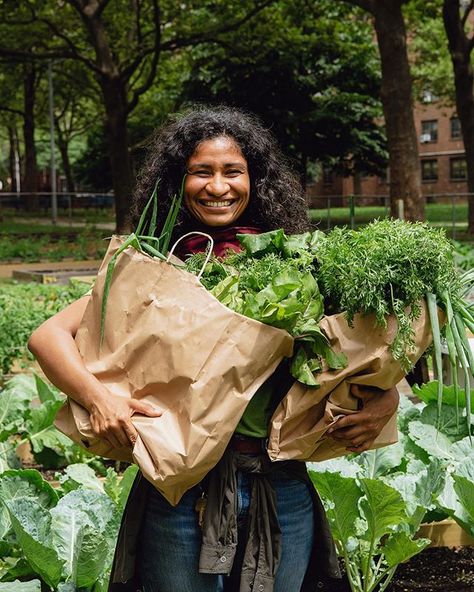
x=217, y=185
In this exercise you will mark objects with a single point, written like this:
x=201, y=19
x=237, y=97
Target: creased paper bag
x=169, y=342
x=300, y=422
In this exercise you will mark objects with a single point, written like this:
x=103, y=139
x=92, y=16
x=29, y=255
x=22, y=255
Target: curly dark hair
x=276, y=196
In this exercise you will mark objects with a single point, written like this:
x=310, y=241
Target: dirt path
x=6, y=269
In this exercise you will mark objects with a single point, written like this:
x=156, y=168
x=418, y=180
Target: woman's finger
x=345, y=422
x=144, y=408
x=350, y=433
x=131, y=433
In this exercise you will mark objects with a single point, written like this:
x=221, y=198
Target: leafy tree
x=310, y=72
x=396, y=95
x=120, y=43
x=430, y=61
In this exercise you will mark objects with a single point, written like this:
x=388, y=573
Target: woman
x=236, y=181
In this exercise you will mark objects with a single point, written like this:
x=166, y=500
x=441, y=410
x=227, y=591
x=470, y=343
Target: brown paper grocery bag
x=169, y=342
x=300, y=422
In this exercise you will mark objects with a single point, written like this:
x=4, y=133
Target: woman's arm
x=359, y=430
x=54, y=347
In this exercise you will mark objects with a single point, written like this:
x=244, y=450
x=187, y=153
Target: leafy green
x=366, y=518
x=27, y=418
x=387, y=268
x=67, y=541
x=273, y=281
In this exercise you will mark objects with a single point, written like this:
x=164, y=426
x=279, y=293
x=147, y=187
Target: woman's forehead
x=222, y=148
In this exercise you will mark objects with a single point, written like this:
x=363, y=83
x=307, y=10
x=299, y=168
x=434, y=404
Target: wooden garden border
x=446, y=533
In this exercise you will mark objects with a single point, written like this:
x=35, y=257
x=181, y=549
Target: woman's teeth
x=217, y=204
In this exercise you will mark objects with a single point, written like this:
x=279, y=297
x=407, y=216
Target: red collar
x=224, y=239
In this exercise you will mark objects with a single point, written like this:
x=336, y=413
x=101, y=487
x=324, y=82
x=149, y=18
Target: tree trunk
x=117, y=136
x=396, y=95
x=64, y=151
x=460, y=50
x=30, y=179
x=13, y=160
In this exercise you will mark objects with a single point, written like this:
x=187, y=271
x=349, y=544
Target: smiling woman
x=251, y=524
x=217, y=186
x=235, y=150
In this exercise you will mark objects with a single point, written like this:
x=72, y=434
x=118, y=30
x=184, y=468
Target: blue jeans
x=171, y=540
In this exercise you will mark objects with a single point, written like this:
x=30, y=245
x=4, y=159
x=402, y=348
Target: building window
x=455, y=128
x=327, y=175
x=429, y=170
x=457, y=169
x=429, y=131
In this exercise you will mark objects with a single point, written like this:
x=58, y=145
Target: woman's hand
x=359, y=430
x=110, y=417
x=56, y=351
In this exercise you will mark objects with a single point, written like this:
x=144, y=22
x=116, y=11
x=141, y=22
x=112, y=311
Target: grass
x=435, y=213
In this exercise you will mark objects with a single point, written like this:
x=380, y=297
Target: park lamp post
x=54, y=197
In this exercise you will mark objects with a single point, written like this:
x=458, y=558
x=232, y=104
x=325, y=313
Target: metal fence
x=68, y=205
x=442, y=209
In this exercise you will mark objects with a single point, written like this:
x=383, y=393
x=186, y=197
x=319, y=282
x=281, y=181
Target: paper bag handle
x=209, y=251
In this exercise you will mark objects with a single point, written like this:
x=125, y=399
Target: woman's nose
x=217, y=186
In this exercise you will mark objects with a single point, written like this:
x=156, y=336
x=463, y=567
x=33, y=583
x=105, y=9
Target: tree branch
x=154, y=61
x=205, y=35
x=27, y=56
x=12, y=110
x=73, y=48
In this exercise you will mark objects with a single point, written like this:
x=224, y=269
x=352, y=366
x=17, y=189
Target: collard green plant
x=431, y=469
x=65, y=536
x=29, y=406
x=367, y=518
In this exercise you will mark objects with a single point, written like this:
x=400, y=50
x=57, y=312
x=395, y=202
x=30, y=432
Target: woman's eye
x=233, y=173
x=201, y=173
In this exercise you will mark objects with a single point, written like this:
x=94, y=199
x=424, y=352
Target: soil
x=437, y=569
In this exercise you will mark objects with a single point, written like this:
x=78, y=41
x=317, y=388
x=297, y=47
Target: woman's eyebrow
x=209, y=166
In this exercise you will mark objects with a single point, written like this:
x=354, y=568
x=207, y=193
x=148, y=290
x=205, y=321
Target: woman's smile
x=217, y=186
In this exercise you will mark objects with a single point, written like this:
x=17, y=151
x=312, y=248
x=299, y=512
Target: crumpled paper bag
x=302, y=419
x=169, y=342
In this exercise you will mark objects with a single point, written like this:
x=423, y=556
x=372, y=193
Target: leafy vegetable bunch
x=387, y=268
x=273, y=281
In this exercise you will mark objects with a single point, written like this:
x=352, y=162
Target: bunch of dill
x=387, y=267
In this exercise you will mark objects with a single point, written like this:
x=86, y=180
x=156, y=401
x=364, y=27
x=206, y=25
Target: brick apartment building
x=442, y=162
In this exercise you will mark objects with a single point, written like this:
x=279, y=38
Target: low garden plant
x=377, y=500
x=61, y=537
x=23, y=307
